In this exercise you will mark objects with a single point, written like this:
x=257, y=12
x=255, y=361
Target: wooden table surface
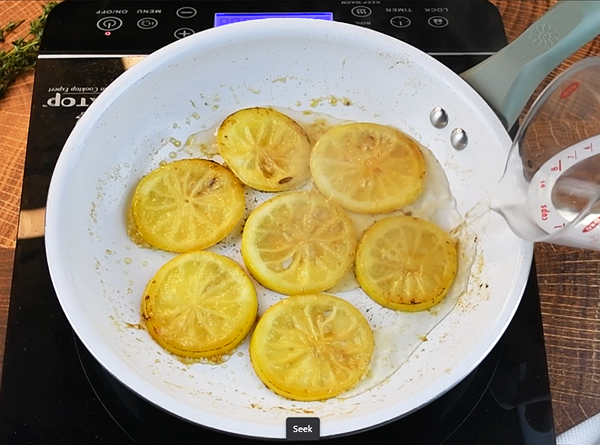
x=569, y=279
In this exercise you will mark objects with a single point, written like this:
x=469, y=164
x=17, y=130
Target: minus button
x=187, y=12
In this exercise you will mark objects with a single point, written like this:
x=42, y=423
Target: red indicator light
x=107, y=33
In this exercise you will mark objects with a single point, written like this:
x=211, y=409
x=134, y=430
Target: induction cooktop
x=54, y=391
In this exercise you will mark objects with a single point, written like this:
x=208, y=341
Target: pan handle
x=507, y=79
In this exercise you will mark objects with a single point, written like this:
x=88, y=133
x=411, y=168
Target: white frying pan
x=345, y=71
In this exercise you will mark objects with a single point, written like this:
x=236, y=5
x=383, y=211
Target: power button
x=109, y=23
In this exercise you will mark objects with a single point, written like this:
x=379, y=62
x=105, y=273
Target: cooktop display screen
x=225, y=18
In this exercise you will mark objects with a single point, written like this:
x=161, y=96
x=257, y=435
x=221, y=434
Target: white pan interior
x=345, y=71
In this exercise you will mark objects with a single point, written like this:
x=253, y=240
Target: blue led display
x=225, y=18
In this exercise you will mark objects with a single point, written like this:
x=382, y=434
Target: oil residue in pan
x=397, y=334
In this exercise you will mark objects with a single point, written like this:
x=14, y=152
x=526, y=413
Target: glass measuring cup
x=550, y=190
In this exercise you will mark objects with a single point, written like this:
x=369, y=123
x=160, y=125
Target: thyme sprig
x=21, y=58
x=10, y=27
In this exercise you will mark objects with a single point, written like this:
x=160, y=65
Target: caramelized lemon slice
x=266, y=149
x=368, y=168
x=298, y=243
x=311, y=347
x=187, y=205
x=406, y=263
x=199, y=304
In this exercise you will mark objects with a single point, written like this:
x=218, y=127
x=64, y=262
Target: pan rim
x=68, y=161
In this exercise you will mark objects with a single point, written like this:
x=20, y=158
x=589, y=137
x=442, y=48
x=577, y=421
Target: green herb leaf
x=21, y=58
x=10, y=27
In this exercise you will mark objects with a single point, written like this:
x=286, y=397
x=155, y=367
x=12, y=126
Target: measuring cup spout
x=509, y=199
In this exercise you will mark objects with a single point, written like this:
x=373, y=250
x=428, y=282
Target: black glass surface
x=140, y=27
x=53, y=391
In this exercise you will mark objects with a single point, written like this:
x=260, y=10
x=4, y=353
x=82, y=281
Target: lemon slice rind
x=266, y=149
x=199, y=304
x=406, y=263
x=368, y=168
x=298, y=243
x=311, y=347
x=187, y=205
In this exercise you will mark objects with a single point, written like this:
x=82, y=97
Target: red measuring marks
x=569, y=90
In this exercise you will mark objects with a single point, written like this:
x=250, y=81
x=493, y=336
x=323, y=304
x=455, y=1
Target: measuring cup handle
x=507, y=79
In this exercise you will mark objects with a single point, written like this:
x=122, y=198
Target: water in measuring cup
x=565, y=191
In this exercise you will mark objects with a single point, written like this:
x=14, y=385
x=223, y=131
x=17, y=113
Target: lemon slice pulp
x=311, y=347
x=368, y=168
x=298, y=243
x=199, y=304
x=406, y=263
x=187, y=205
x=266, y=149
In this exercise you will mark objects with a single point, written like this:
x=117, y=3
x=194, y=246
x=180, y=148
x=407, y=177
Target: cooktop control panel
x=141, y=27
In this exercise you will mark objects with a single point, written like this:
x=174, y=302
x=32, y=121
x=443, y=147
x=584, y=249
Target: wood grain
x=569, y=278
x=14, y=121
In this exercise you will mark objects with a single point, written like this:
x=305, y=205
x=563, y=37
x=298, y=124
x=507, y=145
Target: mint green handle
x=507, y=79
